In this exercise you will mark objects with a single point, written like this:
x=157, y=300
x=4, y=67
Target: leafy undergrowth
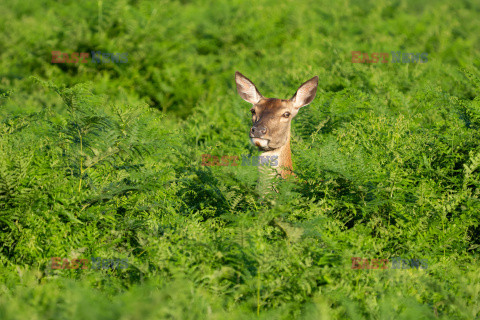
x=108, y=164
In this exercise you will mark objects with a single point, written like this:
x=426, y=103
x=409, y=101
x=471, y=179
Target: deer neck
x=284, y=158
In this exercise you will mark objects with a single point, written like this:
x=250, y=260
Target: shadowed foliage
x=104, y=160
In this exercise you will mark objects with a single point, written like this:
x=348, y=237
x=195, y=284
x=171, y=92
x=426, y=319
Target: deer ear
x=305, y=93
x=246, y=89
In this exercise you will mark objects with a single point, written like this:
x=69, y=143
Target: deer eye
x=252, y=111
x=286, y=114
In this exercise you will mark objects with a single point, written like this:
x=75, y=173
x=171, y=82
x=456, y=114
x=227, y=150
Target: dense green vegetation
x=104, y=160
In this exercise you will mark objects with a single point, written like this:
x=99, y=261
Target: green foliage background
x=104, y=160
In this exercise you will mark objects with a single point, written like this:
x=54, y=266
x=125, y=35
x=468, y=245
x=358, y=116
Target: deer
x=272, y=118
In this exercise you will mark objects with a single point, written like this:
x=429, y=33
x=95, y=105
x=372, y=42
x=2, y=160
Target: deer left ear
x=305, y=93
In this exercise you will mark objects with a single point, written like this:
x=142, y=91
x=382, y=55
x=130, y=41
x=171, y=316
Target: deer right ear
x=246, y=89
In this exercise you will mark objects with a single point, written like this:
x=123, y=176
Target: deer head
x=272, y=118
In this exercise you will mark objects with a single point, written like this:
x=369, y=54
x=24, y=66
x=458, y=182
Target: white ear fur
x=246, y=89
x=305, y=93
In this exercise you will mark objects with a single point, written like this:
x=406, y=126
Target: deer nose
x=258, y=132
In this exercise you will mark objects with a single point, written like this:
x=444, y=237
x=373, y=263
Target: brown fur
x=272, y=119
